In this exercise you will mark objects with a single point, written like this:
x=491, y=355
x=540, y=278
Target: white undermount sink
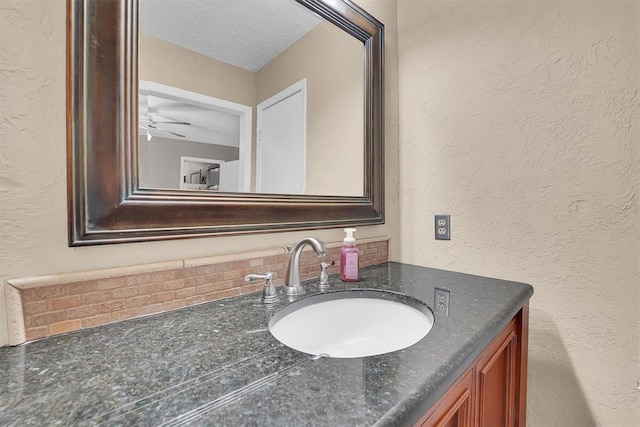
x=353, y=323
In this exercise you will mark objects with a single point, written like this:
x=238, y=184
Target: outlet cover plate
x=441, y=301
x=443, y=227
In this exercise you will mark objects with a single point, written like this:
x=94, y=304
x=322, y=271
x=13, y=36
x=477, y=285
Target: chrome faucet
x=293, y=271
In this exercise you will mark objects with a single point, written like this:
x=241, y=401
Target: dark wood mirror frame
x=105, y=203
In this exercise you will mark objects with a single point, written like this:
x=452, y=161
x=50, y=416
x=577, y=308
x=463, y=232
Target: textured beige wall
x=167, y=63
x=33, y=214
x=331, y=61
x=520, y=119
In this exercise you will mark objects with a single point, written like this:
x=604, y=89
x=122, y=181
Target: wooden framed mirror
x=106, y=201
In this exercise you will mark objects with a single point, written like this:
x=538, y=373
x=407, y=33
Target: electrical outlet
x=443, y=227
x=441, y=301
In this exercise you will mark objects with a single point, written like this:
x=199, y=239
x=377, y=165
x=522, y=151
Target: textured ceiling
x=244, y=33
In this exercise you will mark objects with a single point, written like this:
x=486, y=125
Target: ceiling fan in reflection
x=153, y=124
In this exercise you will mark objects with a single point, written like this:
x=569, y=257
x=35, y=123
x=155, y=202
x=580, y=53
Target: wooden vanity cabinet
x=492, y=392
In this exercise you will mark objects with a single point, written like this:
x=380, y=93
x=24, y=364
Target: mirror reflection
x=249, y=96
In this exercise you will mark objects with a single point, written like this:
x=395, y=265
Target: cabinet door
x=497, y=381
x=493, y=391
x=455, y=409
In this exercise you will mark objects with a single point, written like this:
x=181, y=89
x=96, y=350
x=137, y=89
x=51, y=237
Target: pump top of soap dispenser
x=349, y=239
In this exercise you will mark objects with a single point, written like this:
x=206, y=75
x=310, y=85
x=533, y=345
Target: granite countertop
x=217, y=364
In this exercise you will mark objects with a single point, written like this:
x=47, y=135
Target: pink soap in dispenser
x=349, y=258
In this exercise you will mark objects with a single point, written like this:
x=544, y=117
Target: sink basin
x=352, y=323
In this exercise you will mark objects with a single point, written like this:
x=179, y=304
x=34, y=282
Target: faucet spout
x=293, y=270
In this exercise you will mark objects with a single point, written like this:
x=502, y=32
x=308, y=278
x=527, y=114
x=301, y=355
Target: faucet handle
x=269, y=294
x=323, y=279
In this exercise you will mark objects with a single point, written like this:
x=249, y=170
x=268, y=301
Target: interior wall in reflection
x=172, y=65
x=332, y=63
x=163, y=159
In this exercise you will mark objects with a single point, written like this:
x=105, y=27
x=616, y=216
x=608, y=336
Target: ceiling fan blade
x=173, y=123
x=154, y=125
x=167, y=131
x=173, y=133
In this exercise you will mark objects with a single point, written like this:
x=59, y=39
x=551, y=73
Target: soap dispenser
x=349, y=258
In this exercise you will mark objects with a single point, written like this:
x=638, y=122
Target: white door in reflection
x=229, y=173
x=281, y=142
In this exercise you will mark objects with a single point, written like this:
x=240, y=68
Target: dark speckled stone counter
x=217, y=364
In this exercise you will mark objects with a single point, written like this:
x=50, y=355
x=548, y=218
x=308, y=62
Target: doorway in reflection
x=180, y=130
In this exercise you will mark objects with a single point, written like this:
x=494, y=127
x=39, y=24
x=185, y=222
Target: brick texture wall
x=56, y=306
